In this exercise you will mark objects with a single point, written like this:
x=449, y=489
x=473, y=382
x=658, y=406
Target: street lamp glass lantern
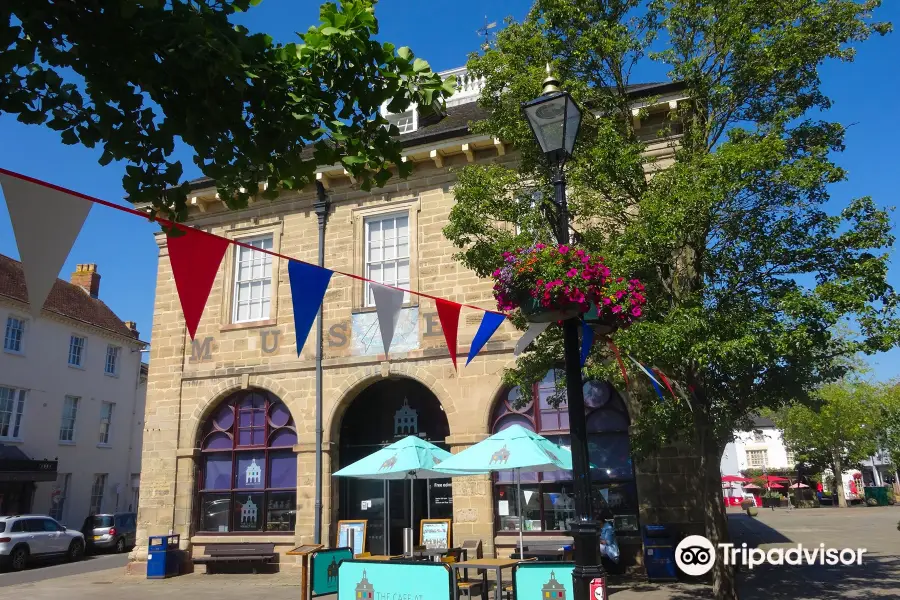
x=555, y=120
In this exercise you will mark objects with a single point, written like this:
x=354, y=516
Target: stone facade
x=188, y=379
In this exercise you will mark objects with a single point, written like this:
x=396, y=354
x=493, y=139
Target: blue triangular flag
x=587, y=341
x=655, y=383
x=308, y=285
x=489, y=324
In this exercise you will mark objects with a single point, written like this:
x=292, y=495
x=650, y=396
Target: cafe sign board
x=394, y=580
x=323, y=569
x=543, y=581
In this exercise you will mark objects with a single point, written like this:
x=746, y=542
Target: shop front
x=18, y=476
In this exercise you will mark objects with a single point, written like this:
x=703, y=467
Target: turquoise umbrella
x=514, y=448
x=409, y=458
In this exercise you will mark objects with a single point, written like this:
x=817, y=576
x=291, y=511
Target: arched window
x=248, y=469
x=548, y=498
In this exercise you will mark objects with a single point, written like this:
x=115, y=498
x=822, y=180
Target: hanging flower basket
x=554, y=283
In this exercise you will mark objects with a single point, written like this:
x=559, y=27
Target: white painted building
x=761, y=448
x=72, y=392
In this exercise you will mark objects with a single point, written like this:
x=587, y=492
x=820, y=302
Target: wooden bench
x=242, y=553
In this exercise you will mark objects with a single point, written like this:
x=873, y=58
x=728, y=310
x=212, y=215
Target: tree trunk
x=837, y=467
x=715, y=519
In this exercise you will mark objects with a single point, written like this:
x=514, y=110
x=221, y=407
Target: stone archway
x=382, y=412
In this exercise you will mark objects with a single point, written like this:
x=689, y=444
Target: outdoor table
x=380, y=557
x=435, y=554
x=483, y=564
x=542, y=554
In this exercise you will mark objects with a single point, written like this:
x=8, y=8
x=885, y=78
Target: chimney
x=133, y=327
x=87, y=278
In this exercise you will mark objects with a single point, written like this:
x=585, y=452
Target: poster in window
x=434, y=533
x=358, y=543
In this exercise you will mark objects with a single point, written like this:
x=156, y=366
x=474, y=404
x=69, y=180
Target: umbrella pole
x=412, y=508
x=521, y=513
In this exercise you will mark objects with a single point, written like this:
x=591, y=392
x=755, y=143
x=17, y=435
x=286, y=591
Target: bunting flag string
x=665, y=381
x=531, y=334
x=388, y=302
x=195, y=257
x=615, y=350
x=587, y=341
x=490, y=322
x=653, y=381
x=448, y=315
x=44, y=243
x=308, y=287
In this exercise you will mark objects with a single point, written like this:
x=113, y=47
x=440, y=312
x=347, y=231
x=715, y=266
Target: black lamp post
x=555, y=118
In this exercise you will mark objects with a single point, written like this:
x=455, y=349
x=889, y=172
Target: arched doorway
x=548, y=498
x=247, y=476
x=381, y=414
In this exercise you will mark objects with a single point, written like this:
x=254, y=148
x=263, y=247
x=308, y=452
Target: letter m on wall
x=201, y=350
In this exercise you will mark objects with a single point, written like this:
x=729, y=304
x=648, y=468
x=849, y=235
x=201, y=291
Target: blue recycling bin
x=163, y=557
x=659, y=553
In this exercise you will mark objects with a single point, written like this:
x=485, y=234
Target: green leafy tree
x=136, y=76
x=839, y=429
x=747, y=273
x=888, y=422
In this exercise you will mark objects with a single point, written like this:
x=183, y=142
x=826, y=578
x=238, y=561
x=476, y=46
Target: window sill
x=104, y=446
x=248, y=325
x=13, y=352
x=12, y=440
x=113, y=375
x=78, y=367
x=371, y=309
x=66, y=443
x=214, y=537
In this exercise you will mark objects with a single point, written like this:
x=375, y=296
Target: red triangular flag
x=195, y=257
x=448, y=313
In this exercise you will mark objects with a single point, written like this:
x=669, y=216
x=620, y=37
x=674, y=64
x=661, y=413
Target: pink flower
x=579, y=253
x=496, y=273
x=607, y=301
x=620, y=279
x=540, y=246
x=617, y=309
x=563, y=249
x=636, y=311
x=572, y=272
x=619, y=294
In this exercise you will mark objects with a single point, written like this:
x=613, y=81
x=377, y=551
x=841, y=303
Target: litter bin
x=163, y=557
x=659, y=553
x=879, y=493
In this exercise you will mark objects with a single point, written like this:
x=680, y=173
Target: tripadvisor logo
x=695, y=555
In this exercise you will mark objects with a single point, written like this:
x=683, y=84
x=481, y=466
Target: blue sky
x=864, y=93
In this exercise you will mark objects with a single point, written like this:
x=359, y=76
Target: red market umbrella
x=752, y=486
x=773, y=478
x=776, y=486
x=797, y=486
x=734, y=479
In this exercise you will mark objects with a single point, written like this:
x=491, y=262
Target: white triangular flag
x=534, y=330
x=388, y=302
x=46, y=222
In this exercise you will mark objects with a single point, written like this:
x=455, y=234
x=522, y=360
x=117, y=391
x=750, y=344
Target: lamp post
x=555, y=118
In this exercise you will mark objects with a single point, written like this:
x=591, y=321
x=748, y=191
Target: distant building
x=72, y=391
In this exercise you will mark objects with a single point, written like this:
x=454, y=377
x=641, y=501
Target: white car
x=27, y=537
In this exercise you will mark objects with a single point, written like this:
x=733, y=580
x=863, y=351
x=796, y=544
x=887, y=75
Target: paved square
x=872, y=528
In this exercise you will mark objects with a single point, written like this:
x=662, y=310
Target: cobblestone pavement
x=872, y=528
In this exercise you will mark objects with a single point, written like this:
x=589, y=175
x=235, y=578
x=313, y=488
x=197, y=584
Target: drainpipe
x=321, y=206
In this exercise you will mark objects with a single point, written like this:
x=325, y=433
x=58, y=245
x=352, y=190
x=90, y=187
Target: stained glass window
x=248, y=469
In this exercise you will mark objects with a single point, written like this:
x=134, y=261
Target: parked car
x=114, y=531
x=24, y=538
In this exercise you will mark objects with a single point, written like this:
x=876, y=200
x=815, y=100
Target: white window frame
x=758, y=452
x=255, y=257
x=73, y=345
x=16, y=413
x=116, y=353
x=98, y=487
x=105, y=433
x=791, y=458
x=58, y=510
x=67, y=423
x=23, y=325
x=368, y=221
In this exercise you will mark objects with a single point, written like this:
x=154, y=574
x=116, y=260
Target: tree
x=136, y=76
x=840, y=431
x=747, y=273
x=888, y=423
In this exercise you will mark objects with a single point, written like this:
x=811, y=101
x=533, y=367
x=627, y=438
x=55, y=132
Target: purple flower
x=607, y=301
x=572, y=272
x=619, y=294
x=540, y=246
x=636, y=311
x=563, y=249
x=617, y=309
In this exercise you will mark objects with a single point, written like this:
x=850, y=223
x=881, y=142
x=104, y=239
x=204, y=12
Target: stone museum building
x=229, y=441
